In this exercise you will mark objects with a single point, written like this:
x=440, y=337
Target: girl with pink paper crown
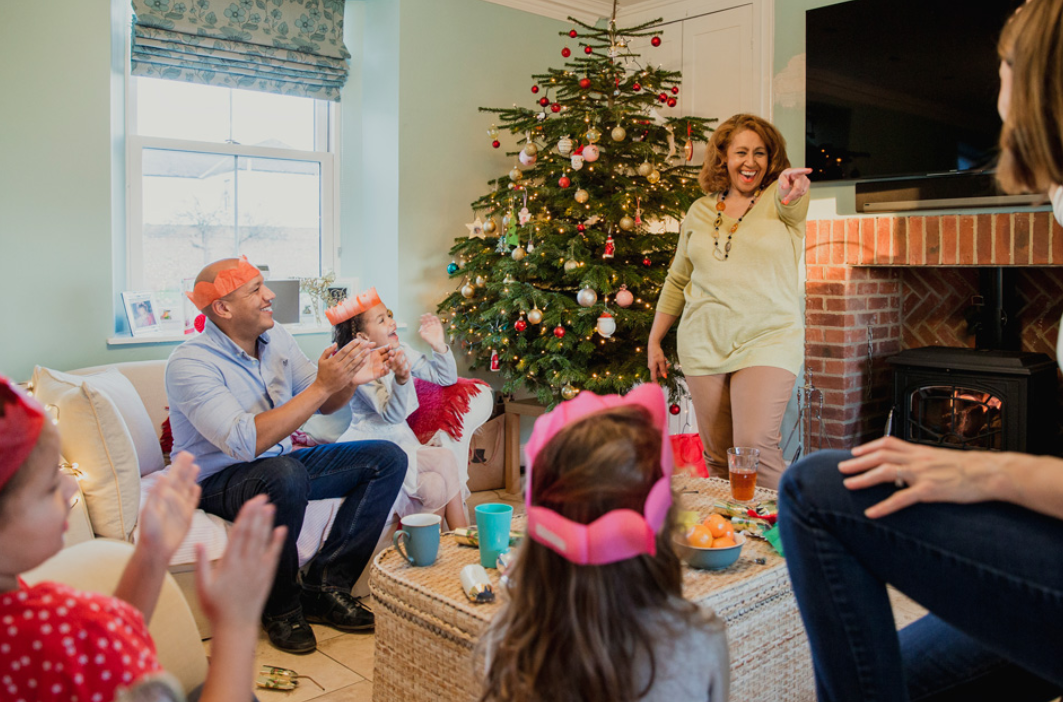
x=599, y=572
x=58, y=643
x=434, y=482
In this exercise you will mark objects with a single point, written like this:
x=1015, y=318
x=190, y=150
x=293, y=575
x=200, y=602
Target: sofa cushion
x=94, y=435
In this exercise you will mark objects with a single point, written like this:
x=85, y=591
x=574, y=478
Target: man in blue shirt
x=236, y=393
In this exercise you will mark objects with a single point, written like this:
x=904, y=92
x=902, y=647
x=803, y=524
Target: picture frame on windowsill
x=142, y=311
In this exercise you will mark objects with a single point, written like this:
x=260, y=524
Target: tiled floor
x=342, y=663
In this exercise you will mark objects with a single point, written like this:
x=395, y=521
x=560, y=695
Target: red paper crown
x=21, y=420
x=352, y=307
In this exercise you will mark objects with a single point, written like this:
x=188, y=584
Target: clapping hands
x=167, y=512
x=432, y=332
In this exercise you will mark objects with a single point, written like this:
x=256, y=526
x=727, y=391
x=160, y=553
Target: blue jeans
x=368, y=474
x=990, y=573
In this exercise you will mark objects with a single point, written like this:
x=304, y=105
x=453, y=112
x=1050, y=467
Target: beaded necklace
x=722, y=256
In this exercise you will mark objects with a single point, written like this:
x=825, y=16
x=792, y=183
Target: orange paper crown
x=224, y=283
x=352, y=307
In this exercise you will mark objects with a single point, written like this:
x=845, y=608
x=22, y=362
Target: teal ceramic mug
x=420, y=535
x=492, y=523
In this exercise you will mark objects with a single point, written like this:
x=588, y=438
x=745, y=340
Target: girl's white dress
x=379, y=410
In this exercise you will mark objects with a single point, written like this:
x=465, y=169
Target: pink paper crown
x=352, y=307
x=621, y=533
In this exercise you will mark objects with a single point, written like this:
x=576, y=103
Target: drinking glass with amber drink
x=742, y=462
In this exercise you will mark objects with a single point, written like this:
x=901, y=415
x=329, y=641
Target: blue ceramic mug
x=420, y=534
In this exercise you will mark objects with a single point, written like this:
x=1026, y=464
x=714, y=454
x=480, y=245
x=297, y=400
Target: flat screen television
x=902, y=88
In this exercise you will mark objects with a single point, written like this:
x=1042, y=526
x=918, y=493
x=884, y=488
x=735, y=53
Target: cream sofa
x=110, y=419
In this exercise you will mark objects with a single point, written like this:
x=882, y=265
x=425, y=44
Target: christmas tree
x=558, y=278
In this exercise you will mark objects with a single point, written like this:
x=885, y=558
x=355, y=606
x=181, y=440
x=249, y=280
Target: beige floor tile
x=327, y=672
x=324, y=633
x=359, y=692
x=353, y=651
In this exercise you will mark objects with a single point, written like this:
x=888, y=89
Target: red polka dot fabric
x=57, y=643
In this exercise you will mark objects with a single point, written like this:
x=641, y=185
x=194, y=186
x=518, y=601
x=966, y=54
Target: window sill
x=156, y=339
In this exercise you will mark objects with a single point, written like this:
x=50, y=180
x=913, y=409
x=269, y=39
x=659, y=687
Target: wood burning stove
x=976, y=399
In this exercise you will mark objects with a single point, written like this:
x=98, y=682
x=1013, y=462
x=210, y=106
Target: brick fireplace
x=878, y=285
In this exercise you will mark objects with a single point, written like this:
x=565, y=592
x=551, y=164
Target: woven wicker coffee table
x=426, y=629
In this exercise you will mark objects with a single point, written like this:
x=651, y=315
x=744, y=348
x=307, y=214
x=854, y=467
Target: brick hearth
x=877, y=285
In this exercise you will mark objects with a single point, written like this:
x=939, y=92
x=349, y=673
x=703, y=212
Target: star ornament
x=476, y=228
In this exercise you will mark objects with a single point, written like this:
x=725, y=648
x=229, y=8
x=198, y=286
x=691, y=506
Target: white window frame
x=326, y=118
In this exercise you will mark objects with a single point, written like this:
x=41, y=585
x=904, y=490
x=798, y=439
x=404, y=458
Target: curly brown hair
x=1031, y=140
x=603, y=462
x=713, y=177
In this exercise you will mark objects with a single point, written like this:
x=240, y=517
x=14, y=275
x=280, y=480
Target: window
x=214, y=172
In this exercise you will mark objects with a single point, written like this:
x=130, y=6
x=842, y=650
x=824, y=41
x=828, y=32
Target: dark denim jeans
x=368, y=474
x=991, y=574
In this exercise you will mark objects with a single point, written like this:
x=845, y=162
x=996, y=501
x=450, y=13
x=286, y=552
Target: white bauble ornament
x=618, y=133
x=467, y=291
x=626, y=223
x=593, y=135
x=606, y=325
x=645, y=168
x=624, y=298
x=577, y=162
x=590, y=153
x=526, y=159
x=582, y=196
x=586, y=297
x=564, y=145
x=654, y=176
x=568, y=392
x=515, y=175
x=518, y=254
x=571, y=265
x=535, y=316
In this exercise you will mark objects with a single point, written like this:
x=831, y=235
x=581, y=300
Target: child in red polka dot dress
x=57, y=643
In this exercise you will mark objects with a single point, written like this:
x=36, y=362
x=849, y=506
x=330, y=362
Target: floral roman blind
x=291, y=47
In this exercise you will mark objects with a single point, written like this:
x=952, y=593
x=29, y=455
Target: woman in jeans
x=973, y=536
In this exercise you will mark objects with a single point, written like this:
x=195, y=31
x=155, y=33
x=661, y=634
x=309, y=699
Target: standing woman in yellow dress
x=734, y=282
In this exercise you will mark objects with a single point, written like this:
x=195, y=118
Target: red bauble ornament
x=636, y=87
x=588, y=50
x=559, y=331
x=584, y=83
x=656, y=41
x=555, y=107
x=647, y=262
x=520, y=325
x=535, y=88
x=674, y=408
x=663, y=97
x=580, y=228
x=572, y=33
x=564, y=182
x=672, y=102
x=566, y=52
x=544, y=101
x=496, y=143
x=675, y=90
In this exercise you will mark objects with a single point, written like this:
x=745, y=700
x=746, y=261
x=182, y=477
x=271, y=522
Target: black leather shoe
x=337, y=609
x=291, y=634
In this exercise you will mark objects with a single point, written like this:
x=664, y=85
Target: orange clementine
x=718, y=525
x=700, y=536
x=723, y=542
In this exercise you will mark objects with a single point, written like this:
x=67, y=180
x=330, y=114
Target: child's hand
x=375, y=367
x=234, y=591
x=399, y=364
x=167, y=513
x=432, y=332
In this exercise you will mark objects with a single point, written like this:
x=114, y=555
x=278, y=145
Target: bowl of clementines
x=711, y=544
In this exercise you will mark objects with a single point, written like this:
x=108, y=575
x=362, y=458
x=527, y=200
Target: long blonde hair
x=1031, y=140
x=713, y=177
x=575, y=632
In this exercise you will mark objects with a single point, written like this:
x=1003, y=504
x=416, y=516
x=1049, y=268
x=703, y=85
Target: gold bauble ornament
x=645, y=168
x=531, y=149
x=515, y=175
x=490, y=226
x=568, y=392
x=654, y=176
x=535, y=316
x=626, y=223
x=618, y=133
x=480, y=281
x=571, y=265
x=593, y=135
x=582, y=196
x=518, y=254
x=467, y=291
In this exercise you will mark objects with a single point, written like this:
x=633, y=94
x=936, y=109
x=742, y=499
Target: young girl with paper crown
x=434, y=481
x=57, y=643
x=595, y=608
